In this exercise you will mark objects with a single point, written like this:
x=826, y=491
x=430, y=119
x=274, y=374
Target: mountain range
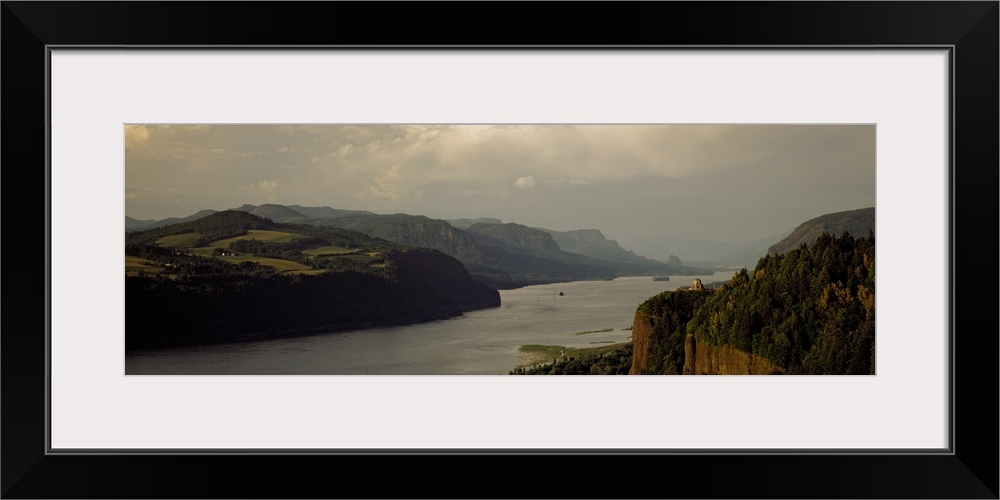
x=703, y=252
x=233, y=276
x=501, y=255
x=510, y=255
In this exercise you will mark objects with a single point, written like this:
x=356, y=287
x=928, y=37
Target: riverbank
x=480, y=342
x=615, y=359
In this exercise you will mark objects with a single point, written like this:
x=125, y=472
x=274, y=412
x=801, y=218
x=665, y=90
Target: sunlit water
x=479, y=342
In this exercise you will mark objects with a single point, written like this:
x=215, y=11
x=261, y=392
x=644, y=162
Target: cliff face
x=642, y=328
x=701, y=358
x=810, y=311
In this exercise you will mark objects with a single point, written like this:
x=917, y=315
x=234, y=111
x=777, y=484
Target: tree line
x=810, y=310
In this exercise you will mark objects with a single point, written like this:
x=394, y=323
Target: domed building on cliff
x=696, y=286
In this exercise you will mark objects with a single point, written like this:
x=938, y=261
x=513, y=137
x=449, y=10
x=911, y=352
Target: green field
x=280, y=265
x=179, y=240
x=134, y=264
x=328, y=250
x=307, y=271
x=258, y=234
x=283, y=266
x=253, y=234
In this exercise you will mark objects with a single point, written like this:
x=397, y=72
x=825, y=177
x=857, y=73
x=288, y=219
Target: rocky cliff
x=659, y=329
x=642, y=329
x=701, y=358
x=810, y=311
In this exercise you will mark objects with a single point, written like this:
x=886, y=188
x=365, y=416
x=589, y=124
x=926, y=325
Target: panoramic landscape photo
x=499, y=249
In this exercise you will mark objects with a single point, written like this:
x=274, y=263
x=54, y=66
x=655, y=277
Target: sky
x=705, y=182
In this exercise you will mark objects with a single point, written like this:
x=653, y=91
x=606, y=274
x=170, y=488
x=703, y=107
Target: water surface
x=482, y=342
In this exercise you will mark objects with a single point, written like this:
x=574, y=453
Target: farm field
x=253, y=234
x=134, y=264
x=281, y=265
x=328, y=250
x=185, y=240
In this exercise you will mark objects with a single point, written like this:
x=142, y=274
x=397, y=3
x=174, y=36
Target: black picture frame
x=969, y=28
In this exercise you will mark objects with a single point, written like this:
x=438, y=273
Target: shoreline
x=308, y=332
x=360, y=327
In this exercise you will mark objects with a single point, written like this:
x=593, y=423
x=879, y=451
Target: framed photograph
x=321, y=147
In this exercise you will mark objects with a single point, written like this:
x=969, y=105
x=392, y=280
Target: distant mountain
x=139, y=225
x=136, y=225
x=539, y=243
x=499, y=255
x=277, y=213
x=592, y=243
x=857, y=223
x=497, y=265
x=465, y=223
x=413, y=230
x=702, y=251
x=496, y=254
x=291, y=214
x=515, y=237
x=216, y=226
x=327, y=212
x=233, y=276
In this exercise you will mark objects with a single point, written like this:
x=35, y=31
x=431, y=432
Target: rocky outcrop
x=514, y=237
x=642, y=328
x=854, y=222
x=702, y=358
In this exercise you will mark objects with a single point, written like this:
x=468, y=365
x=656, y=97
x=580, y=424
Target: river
x=482, y=342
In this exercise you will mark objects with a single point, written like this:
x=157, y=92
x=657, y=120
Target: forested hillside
x=233, y=276
x=496, y=254
x=807, y=311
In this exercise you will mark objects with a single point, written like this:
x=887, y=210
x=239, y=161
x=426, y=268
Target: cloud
x=428, y=169
x=136, y=134
x=391, y=186
x=526, y=182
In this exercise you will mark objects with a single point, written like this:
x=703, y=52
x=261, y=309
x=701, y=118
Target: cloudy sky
x=719, y=182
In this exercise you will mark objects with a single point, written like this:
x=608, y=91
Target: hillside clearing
x=133, y=266
x=279, y=265
x=185, y=240
x=253, y=234
x=328, y=250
